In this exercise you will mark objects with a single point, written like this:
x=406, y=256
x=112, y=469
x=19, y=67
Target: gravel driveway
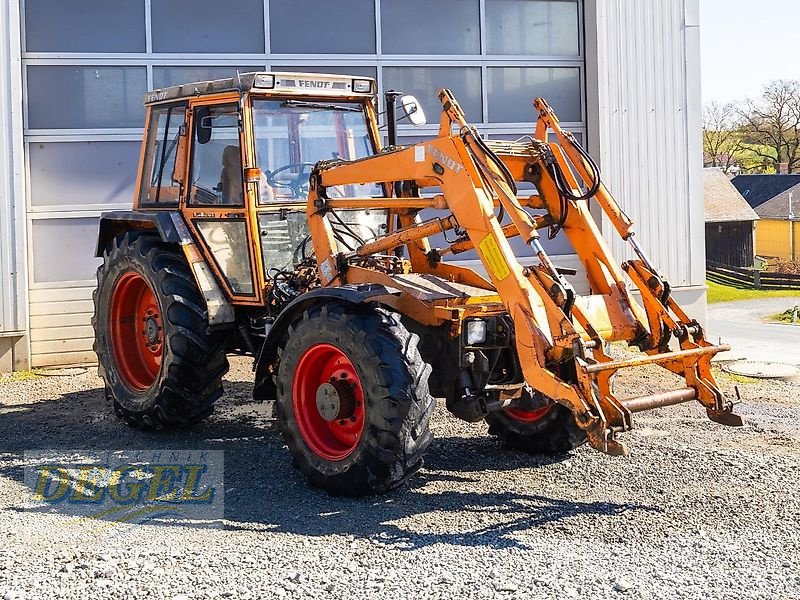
x=696, y=511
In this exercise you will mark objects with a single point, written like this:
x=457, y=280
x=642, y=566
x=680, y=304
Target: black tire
x=555, y=433
x=188, y=379
x=397, y=404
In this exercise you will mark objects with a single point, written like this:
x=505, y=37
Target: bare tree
x=721, y=139
x=771, y=125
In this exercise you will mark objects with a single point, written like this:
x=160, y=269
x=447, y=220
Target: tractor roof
x=289, y=84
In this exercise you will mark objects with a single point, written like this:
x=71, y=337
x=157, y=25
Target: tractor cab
x=234, y=157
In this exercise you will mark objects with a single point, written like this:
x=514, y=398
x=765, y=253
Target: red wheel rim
x=136, y=331
x=525, y=416
x=329, y=439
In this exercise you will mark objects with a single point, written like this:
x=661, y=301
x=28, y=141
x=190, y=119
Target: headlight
x=476, y=332
x=362, y=86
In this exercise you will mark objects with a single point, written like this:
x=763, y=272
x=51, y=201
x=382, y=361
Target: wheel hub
x=328, y=402
x=152, y=329
x=335, y=400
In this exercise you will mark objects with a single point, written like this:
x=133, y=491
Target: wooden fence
x=750, y=278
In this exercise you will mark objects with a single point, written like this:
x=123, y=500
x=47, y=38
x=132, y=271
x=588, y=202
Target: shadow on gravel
x=264, y=492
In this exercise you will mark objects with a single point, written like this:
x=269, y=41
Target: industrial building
x=623, y=75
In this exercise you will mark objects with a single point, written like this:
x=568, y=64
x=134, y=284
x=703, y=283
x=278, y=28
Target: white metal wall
x=12, y=216
x=644, y=122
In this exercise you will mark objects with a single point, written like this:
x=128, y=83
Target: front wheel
x=353, y=400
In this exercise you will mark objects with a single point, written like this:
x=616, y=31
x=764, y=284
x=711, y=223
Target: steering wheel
x=297, y=182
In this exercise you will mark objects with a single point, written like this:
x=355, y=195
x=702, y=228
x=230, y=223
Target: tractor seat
x=231, y=177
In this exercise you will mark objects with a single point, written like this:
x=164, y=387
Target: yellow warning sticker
x=495, y=261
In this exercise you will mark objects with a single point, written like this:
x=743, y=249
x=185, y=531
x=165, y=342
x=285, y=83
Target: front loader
x=357, y=312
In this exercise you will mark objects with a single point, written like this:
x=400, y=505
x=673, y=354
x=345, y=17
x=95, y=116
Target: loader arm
x=552, y=326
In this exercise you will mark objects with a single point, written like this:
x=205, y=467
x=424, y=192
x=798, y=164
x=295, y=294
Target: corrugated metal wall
x=647, y=127
x=12, y=273
x=14, y=349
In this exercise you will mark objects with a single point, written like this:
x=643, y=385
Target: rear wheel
x=160, y=364
x=353, y=399
x=547, y=430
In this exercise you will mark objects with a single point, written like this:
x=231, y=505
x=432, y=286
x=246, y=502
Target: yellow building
x=776, y=200
x=777, y=238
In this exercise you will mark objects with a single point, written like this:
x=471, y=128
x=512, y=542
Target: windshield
x=291, y=136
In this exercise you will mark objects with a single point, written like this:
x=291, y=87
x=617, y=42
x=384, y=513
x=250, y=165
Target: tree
x=722, y=145
x=771, y=126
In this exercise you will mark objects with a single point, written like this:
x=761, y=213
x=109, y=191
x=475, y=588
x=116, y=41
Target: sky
x=746, y=44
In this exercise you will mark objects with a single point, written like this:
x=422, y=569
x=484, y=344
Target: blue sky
x=747, y=44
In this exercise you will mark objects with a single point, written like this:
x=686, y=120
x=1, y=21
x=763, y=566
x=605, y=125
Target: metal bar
x=406, y=235
x=437, y=202
x=393, y=203
x=659, y=400
x=654, y=358
x=510, y=231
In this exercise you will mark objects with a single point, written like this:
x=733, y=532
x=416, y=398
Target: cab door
x=218, y=203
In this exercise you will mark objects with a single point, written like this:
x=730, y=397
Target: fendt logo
x=156, y=96
x=313, y=84
x=443, y=159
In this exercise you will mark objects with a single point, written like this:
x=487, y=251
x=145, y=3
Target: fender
x=264, y=388
x=172, y=229
x=118, y=222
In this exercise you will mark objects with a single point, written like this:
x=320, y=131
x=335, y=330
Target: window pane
x=61, y=97
x=167, y=76
x=227, y=241
x=160, y=183
x=216, y=157
x=430, y=27
x=208, y=26
x=424, y=82
x=289, y=140
x=337, y=70
x=285, y=239
x=76, y=173
x=314, y=27
x=512, y=91
x=63, y=249
x=548, y=28
x=65, y=26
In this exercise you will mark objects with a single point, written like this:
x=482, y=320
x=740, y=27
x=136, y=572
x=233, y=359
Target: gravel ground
x=696, y=511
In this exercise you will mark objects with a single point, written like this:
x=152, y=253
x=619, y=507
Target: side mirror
x=413, y=110
x=203, y=124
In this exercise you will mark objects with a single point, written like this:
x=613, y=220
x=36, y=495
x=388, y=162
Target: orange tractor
x=270, y=221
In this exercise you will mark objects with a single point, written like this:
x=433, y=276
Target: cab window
x=161, y=185
x=291, y=136
x=216, y=171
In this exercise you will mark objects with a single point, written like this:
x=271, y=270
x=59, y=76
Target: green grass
x=786, y=316
x=724, y=293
